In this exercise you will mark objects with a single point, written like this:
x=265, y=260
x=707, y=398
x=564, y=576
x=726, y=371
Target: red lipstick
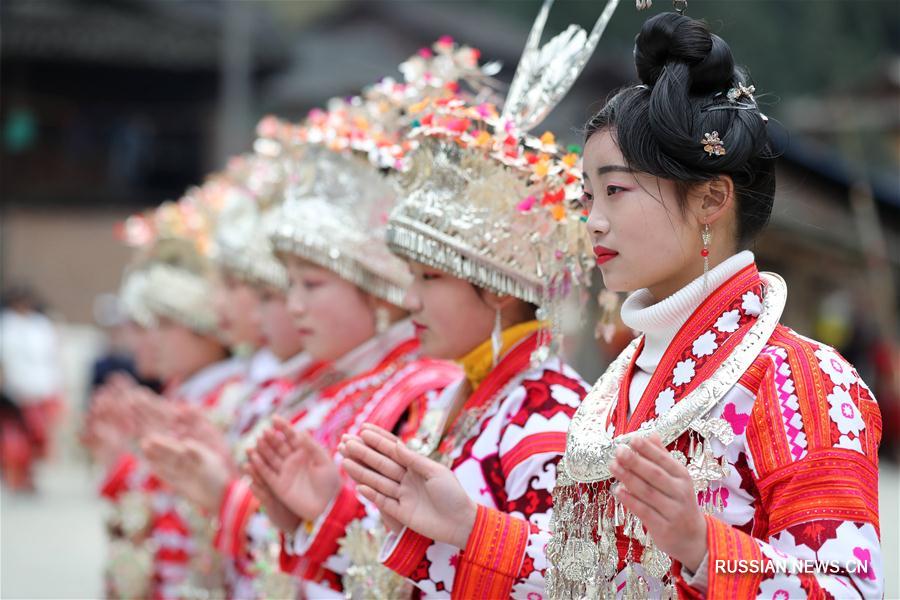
x=604, y=254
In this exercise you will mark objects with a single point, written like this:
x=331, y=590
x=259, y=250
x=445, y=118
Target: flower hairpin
x=712, y=144
x=740, y=91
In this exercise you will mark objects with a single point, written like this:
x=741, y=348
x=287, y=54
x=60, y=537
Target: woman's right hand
x=297, y=469
x=409, y=488
x=279, y=514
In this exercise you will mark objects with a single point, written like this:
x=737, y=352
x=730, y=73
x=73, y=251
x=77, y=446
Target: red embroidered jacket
x=802, y=482
x=507, y=464
x=168, y=528
x=393, y=395
x=243, y=532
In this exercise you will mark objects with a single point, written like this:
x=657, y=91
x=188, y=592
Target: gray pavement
x=52, y=542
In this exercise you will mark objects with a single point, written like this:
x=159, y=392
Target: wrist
x=465, y=525
x=697, y=549
x=326, y=501
x=218, y=486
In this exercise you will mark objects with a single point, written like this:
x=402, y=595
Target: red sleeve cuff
x=407, y=553
x=116, y=482
x=288, y=562
x=492, y=558
x=238, y=505
x=725, y=543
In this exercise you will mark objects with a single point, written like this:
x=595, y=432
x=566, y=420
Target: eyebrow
x=613, y=169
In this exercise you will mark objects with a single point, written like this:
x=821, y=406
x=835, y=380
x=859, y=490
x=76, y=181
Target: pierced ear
x=371, y=300
x=717, y=197
x=494, y=300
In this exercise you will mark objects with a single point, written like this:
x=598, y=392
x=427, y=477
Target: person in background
x=32, y=382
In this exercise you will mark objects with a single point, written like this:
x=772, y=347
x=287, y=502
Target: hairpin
x=712, y=144
x=739, y=91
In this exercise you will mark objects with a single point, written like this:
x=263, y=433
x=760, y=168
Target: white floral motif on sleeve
x=840, y=372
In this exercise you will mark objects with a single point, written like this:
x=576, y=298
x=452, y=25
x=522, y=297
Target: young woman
x=483, y=222
x=110, y=433
x=139, y=326
x=195, y=468
x=737, y=447
x=30, y=376
x=195, y=366
x=345, y=294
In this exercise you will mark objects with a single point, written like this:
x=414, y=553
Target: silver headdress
x=173, y=243
x=484, y=200
x=252, y=187
x=178, y=294
x=132, y=298
x=335, y=214
x=336, y=220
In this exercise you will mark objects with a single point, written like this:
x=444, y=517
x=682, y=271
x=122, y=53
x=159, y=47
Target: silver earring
x=382, y=319
x=608, y=303
x=706, y=236
x=497, y=339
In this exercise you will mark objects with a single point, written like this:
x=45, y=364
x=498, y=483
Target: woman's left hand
x=196, y=472
x=191, y=422
x=658, y=490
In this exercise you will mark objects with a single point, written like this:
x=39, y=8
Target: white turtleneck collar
x=661, y=321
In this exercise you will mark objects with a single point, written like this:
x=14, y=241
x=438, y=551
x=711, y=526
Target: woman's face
x=279, y=331
x=450, y=316
x=641, y=236
x=236, y=304
x=332, y=315
x=142, y=345
x=181, y=351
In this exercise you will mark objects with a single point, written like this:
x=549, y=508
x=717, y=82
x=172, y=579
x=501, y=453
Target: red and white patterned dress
x=802, y=468
x=168, y=528
x=394, y=394
x=506, y=461
x=243, y=531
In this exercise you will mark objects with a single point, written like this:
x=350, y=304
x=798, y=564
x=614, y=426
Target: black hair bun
x=670, y=39
x=660, y=126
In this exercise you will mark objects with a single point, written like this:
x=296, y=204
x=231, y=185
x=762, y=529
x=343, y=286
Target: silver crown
x=335, y=217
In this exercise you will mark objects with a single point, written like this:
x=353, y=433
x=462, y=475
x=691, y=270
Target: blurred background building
x=108, y=107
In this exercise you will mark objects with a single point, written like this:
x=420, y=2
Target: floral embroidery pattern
x=728, y=322
x=683, y=372
x=705, y=345
x=665, y=401
x=752, y=304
